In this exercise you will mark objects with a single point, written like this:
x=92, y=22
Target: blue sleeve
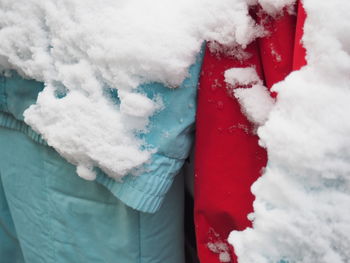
x=171, y=133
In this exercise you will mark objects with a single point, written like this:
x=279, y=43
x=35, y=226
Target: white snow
x=220, y=248
x=135, y=104
x=254, y=98
x=242, y=77
x=82, y=47
x=301, y=212
x=273, y=7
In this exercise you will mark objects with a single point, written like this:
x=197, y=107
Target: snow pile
x=254, y=98
x=80, y=48
x=301, y=212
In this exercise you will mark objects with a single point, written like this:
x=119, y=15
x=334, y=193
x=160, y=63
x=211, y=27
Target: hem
x=8, y=121
x=147, y=191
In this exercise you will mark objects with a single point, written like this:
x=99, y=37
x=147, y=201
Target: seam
x=4, y=93
x=2, y=225
x=139, y=230
x=16, y=239
x=50, y=236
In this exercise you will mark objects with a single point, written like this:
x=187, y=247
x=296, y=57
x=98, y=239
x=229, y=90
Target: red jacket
x=228, y=157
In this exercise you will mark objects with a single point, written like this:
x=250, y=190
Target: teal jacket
x=170, y=131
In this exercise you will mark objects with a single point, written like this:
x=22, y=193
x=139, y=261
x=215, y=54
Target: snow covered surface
x=247, y=87
x=78, y=48
x=301, y=212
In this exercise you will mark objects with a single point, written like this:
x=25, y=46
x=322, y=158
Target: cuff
x=145, y=192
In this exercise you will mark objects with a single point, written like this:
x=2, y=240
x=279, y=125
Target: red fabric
x=299, y=51
x=228, y=159
x=223, y=157
x=276, y=49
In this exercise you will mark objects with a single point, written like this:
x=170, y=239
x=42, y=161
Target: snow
x=222, y=249
x=254, y=98
x=273, y=7
x=136, y=105
x=217, y=245
x=301, y=211
x=80, y=48
x=242, y=77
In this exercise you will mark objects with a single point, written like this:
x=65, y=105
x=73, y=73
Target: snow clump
x=253, y=96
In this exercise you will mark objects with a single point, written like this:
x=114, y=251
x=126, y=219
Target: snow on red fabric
x=228, y=156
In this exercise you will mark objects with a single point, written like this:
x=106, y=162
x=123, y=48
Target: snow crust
x=254, y=98
x=301, y=212
x=81, y=48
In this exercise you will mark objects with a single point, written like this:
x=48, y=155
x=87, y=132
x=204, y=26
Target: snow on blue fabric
x=170, y=132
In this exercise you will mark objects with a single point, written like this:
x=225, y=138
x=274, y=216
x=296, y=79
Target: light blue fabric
x=170, y=132
x=17, y=94
x=50, y=215
x=10, y=251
